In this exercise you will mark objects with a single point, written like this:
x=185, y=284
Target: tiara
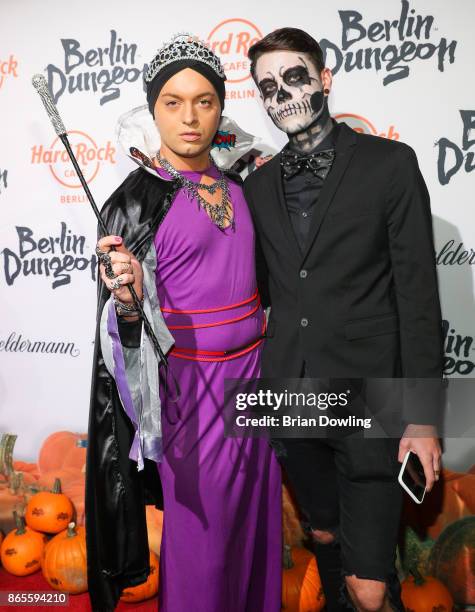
x=183, y=46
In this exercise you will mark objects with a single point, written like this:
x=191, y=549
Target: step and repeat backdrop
x=402, y=70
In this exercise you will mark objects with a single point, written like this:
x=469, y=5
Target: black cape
x=116, y=493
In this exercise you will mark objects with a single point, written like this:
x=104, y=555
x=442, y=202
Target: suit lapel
x=282, y=212
x=344, y=149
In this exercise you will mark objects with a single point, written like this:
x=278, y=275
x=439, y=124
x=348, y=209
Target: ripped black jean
x=349, y=487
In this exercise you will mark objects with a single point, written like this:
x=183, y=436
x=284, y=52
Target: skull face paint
x=291, y=89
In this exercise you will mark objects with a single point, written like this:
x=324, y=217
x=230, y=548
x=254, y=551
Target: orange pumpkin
x=66, y=475
x=64, y=564
x=154, y=528
x=22, y=549
x=147, y=589
x=452, y=498
x=50, y=512
x=55, y=449
x=425, y=594
x=302, y=589
x=75, y=490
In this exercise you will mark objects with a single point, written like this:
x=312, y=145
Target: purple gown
x=221, y=542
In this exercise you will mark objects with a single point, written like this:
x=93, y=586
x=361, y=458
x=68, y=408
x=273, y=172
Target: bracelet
x=123, y=309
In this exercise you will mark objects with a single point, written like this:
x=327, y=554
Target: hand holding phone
x=412, y=477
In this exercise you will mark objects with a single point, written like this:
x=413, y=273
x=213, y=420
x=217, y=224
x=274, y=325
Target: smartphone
x=412, y=478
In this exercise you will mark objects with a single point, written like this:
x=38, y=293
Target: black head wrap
x=166, y=73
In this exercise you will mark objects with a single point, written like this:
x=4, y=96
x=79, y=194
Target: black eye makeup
x=296, y=76
x=268, y=87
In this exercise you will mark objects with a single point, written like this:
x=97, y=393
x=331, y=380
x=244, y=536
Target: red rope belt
x=203, y=355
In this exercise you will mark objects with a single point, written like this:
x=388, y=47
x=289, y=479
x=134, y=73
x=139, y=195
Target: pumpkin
x=147, y=589
x=154, y=528
x=452, y=560
x=56, y=448
x=49, y=511
x=66, y=475
x=452, y=498
x=76, y=455
x=75, y=490
x=425, y=594
x=64, y=564
x=22, y=549
x=302, y=589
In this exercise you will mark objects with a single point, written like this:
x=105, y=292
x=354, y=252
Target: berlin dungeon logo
x=52, y=257
x=399, y=42
x=452, y=156
x=459, y=351
x=101, y=70
x=3, y=180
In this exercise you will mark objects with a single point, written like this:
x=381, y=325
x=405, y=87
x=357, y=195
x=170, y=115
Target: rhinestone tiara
x=183, y=46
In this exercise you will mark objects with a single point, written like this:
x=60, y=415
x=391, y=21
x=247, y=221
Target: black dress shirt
x=302, y=190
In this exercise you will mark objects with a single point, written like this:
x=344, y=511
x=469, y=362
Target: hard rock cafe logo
x=8, y=68
x=231, y=40
x=388, y=45
x=90, y=157
x=364, y=126
x=453, y=157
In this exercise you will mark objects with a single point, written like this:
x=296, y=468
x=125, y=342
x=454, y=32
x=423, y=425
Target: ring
x=126, y=267
x=116, y=283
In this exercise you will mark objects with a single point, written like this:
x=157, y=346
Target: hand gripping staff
x=39, y=83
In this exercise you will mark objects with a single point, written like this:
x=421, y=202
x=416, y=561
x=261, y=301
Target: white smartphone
x=412, y=478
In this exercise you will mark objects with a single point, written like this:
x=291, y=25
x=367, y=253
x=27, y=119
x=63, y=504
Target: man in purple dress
x=183, y=236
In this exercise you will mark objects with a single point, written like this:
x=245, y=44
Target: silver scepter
x=41, y=86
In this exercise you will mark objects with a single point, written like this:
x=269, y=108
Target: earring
x=326, y=91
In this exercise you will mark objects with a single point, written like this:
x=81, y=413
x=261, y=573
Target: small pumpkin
x=64, y=564
x=147, y=589
x=49, y=511
x=22, y=549
x=302, y=589
x=425, y=594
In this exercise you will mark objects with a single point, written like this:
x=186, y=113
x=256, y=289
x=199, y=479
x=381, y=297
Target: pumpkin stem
x=19, y=522
x=287, y=557
x=71, y=530
x=57, y=486
x=419, y=579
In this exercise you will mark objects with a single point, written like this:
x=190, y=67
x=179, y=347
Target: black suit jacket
x=362, y=300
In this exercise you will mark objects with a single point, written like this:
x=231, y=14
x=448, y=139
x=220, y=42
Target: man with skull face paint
x=345, y=259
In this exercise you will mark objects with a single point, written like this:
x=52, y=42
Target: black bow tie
x=319, y=163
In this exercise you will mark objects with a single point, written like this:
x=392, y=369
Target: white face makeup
x=287, y=80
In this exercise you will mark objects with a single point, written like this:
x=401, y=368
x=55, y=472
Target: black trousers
x=348, y=486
